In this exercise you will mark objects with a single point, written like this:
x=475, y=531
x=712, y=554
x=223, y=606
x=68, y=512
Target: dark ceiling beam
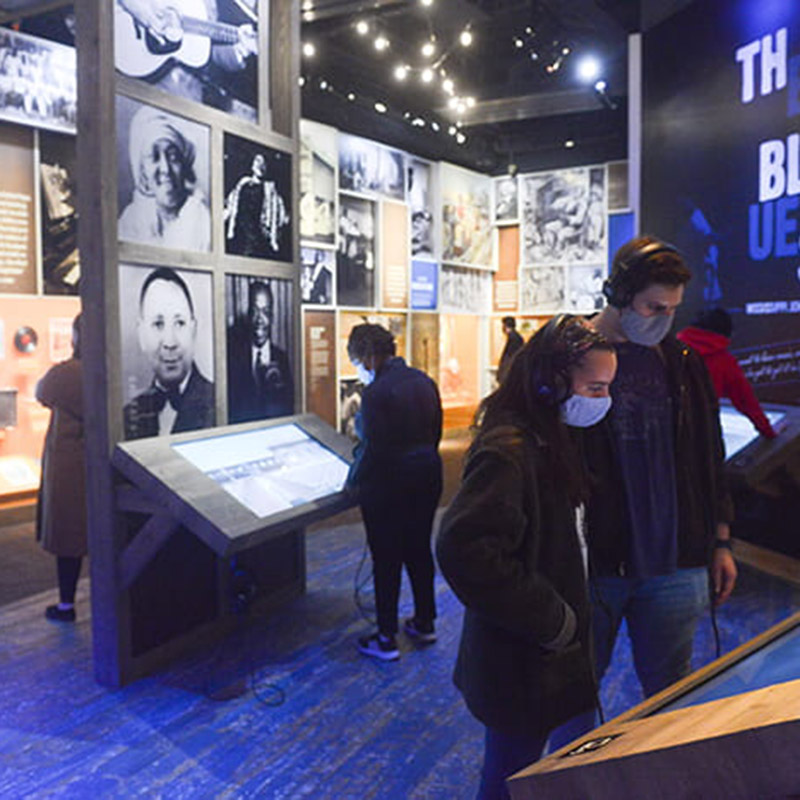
x=543, y=104
x=12, y=10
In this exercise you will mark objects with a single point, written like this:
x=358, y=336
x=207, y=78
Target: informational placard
x=424, y=284
x=394, y=255
x=17, y=242
x=319, y=330
x=506, y=282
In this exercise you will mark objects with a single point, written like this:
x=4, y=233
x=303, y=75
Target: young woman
x=512, y=548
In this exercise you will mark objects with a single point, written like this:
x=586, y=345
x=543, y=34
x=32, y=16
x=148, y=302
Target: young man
x=398, y=475
x=513, y=343
x=659, y=510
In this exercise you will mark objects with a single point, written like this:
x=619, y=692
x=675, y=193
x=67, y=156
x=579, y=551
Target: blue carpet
x=313, y=719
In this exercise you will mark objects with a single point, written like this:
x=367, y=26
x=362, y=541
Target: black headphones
x=619, y=289
x=550, y=374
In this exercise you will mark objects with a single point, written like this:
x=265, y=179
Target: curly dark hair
x=370, y=340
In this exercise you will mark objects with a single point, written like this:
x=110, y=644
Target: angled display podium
x=730, y=730
x=238, y=486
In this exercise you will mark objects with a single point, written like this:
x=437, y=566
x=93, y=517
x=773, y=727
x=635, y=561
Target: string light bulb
x=362, y=27
x=465, y=38
x=381, y=43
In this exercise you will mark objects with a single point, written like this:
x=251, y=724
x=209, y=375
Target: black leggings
x=69, y=570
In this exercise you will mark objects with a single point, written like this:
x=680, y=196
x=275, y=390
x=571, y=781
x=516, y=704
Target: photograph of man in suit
x=179, y=397
x=260, y=382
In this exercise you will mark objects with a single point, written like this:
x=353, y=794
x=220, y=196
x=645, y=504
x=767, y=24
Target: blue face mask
x=647, y=331
x=582, y=412
x=366, y=376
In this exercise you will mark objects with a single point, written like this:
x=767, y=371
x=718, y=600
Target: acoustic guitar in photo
x=185, y=35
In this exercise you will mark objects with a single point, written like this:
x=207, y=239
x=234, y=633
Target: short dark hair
x=509, y=322
x=165, y=274
x=370, y=340
x=716, y=320
x=258, y=287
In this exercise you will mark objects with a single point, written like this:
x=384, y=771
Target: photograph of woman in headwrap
x=164, y=178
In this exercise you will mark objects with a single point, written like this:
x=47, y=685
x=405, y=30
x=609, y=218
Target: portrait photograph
x=316, y=276
x=167, y=358
x=466, y=217
x=258, y=200
x=204, y=50
x=542, y=289
x=38, y=82
x=259, y=323
x=564, y=216
x=355, y=254
x=506, y=200
x=585, y=287
x=464, y=289
x=61, y=266
x=420, y=203
x=163, y=178
x=317, y=183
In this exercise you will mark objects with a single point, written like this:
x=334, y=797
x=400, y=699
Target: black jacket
x=703, y=497
x=509, y=549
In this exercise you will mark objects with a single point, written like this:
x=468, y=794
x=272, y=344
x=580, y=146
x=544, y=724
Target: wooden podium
x=737, y=748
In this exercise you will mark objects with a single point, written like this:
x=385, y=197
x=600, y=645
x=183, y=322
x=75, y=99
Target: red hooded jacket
x=727, y=376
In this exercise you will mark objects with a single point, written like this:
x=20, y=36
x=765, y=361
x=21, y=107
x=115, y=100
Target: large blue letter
x=761, y=247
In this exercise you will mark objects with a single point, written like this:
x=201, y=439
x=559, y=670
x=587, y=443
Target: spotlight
x=427, y=75
x=435, y=126
x=401, y=72
x=465, y=38
x=362, y=28
x=309, y=50
x=301, y=81
x=518, y=43
x=452, y=130
x=588, y=68
x=448, y=86
x=351, y=97
x=380, y=108
x=381, y=43
x=428, y=49
x=426, y=3
x=600, y=86
x=323, y=84
x=569, y=144
x=460, y=138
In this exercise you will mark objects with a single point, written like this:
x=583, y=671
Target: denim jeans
x=662, y=614
x=503, y=756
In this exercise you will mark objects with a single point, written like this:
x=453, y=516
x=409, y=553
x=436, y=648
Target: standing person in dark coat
x=512, y=547
x=61, y=512
x=398, y=474
x=513, y=343
x=710, y=335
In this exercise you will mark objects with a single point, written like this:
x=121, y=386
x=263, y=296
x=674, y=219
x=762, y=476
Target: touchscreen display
x=270, y=469
x=738, y=431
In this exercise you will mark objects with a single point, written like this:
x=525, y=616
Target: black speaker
x=619, y=288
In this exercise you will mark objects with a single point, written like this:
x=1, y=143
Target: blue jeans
x=662, y=614
x=503, y=756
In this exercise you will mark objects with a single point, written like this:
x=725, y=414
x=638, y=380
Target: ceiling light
x=470, y=102
x=301, y=81
x=452, y=130
x=565, y=51
x=309, y=51
x=529, y=30
x=428, y=49
x=465, y=38
x=426, y=2
x=518, y=43
x=323, y=84
x=588, y=68
x=427, y=75
x=569, y=143
x=448, y=86
x=460, y=138
x=600, y=86
x=401, y=72
x=435, y=126
x=534, y=55
x=453, y=102
x=380, y=108
x=362, y=28
x=351, y=97
x=381, y=43
x=418, y=122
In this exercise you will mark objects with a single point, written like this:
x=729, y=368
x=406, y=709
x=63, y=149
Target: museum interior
x=280, y=172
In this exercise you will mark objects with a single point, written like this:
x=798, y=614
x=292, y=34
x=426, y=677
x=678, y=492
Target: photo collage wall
x=438, y=258
x=205, y=225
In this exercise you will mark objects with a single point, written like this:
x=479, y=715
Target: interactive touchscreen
x=738, y=431
x=270, y=469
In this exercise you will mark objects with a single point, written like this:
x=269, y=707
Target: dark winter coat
x=508, y=547
x=61, y=512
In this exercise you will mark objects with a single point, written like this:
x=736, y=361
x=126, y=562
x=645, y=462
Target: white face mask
x=647, y=331
x=366, y=376
x=582, y=412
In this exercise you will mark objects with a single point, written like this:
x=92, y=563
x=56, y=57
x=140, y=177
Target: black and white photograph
x=350, y=390
x=564, y=216
x=585, y=287
x=258, y=200
x=542, y=289
x=203, y=50
x=163, y=178
x=61, y=266
x=506, y=200
x=316, y=276
x=420, y=200
x=365, y=166
x=355, y=256
x=167, y=359
x=464, y=289
x=259, y=321
x=317, y=183
x=38, y=82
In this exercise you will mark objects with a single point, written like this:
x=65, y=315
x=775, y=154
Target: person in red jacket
x=710, y=335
